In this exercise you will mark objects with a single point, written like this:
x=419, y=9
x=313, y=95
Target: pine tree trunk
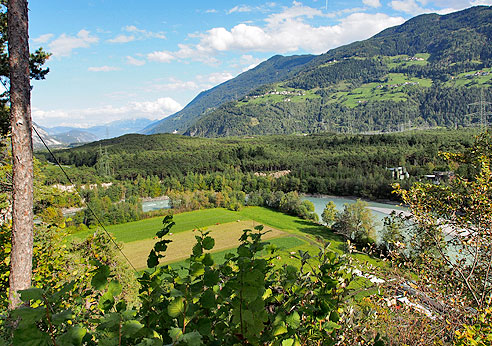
x=20, y=103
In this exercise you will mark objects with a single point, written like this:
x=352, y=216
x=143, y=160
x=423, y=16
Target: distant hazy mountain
x=49, y=140
x=76, y=136
x=117, y=128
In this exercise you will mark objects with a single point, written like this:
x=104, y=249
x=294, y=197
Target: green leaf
x=192, y=339
x=280, y=329
x=31, y=294
x=293, y=320
x=211, y=278
x=204, y=326
x=250, y=293
x=62, y=317
x=115, y=288
x=208, y=243
x=175, y=307
x=73, y=336
x=131, y=327
x=100, y=279
x=152, y=260
x=175, y=334
x=208, y=260
x=106, y=301
x=208, y=299
x=29, y=315
x=30, y=337
x=197, y=269
x=288, y=342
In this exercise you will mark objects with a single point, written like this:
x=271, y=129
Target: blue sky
x=128, y=59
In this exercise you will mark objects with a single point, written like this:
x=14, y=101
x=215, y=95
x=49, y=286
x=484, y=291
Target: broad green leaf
x=211, y=278
x=207, y=299
x=208, y=243
x=204, y=326
x=280, y=329
x=293, y=320
x=115, y=288
x=131, y=327
x=106, y=301
x=208, y=260
x=288, y=342
x=152, y=260
x=33, y=293
x=30, y=337
x=197, y=269
x=192, y=339
x=100, y=279
x=73, y=336
x=176, y=307
x=62, y=317
x=250, y=293
x=175, y=334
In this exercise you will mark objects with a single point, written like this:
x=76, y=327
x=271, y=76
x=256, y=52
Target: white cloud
x=43, y=38
x=157, y=109
x=250, y=62
x=144, y=33
x=65, y=44
x=240, y=8
x=122, y=39
x=133, y=61
x=215, y=78
x=372, y=3
x=174, y=84
x=162, y=56
x=103, y=68
x=407, y=6
x=284, y=32
x=212, y=10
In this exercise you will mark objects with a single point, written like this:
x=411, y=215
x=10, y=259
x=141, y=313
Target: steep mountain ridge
x=423, y=73
x=275, y=69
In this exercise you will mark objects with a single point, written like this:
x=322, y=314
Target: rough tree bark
x=20, y=118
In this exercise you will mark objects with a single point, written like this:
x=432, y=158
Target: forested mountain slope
x=423, y=73
x=273, y=70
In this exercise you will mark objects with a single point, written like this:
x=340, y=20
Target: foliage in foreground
x=246, y=300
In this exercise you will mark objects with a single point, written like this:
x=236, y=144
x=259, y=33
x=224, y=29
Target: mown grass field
x=226, y=236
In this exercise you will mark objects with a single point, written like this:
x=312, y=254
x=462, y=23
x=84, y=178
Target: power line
x=482, y=104
x=88, y=206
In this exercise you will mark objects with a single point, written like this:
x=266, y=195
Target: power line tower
x=103, y=162
x=482, y=110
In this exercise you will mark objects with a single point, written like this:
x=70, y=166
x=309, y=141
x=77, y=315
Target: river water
x=379, y=210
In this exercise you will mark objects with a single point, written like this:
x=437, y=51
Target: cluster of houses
x=414, y=58
x=478, y=73
x=380, y=86
x=283, y=92
x=437, y=177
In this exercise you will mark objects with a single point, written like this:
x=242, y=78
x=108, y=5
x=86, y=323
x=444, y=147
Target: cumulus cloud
x=161, y=56
x=240, y=8
x=43, y=38
x=407, y=6
x=122, y=39
x=65, y=44
x=372, y=3
x=134, y=61
x=284, y=32
x=174, y=84
x=144, y=33
x=103, y=68
x=156, y=109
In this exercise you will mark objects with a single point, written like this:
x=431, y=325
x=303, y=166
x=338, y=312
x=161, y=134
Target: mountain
x=423, y=73
x=68, y=134
x=75, y=136
x=273, y=70
x=49, y=140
